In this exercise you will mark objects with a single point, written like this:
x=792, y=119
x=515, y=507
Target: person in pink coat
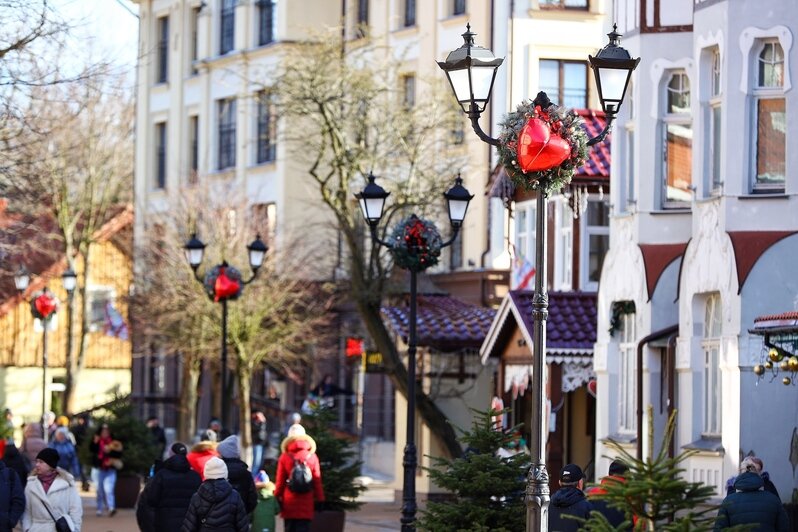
x=297, y=508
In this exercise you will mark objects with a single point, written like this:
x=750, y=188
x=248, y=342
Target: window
x=715, y=124
x=267, y=21
x=627, y=413
x=362, y=17
x=99, y=298
x=193, y=159
x=194, y=39
x=770, y=124
x=163, y=49
x=267, y=128
x=409, y=90
x=710, y=345
x=525, y=224
x=227, y=133
x=160, y=155
x=459, y=7
x=564, y=249
x=264, y=218
x=596, y=242
x=565, y=82
x=677, y=134
x=228, y=26
x=629, y=168
x=563, y=4
x=409, y=13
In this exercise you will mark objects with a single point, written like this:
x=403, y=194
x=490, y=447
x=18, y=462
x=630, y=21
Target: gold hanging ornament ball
x=775, y=355
x=759, y=369
x=793, y=363
x=787, y=381
x=784, y=365
x=768, y=365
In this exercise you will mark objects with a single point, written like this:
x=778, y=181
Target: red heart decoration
x=538, y=149
x=225, y=288
x=591, y=387
x=45, y=305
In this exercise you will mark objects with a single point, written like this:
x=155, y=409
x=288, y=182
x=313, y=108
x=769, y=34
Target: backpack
x=300, y=480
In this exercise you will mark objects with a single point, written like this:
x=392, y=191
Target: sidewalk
x=379, y=514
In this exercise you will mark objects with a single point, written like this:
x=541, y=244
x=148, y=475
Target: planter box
x=127, y=490
x=328, y=521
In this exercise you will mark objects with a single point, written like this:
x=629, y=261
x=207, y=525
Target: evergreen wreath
x=565, y=123
x=619, y=308
x=233, y=276
x=416, y=244
x=44, y=305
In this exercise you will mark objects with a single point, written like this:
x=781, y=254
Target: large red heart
x=45, y=305
x=538, y=149
x=225, y=287
x=592, y=387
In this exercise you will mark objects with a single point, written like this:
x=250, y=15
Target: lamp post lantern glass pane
x=612, y=68
x=372, y=201
x=457, y=198
x=69, y=279
x=257, y=251
x=22, y=279
x=195, y=249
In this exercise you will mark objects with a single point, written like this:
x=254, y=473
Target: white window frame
x=564, y=249
x=667, y=119
x=712, y=382
x=108, y=294
x=715, y=126
x=584, y=252
x=759, y=93
x=627, y=374
x=627, y=199
x=525, y=230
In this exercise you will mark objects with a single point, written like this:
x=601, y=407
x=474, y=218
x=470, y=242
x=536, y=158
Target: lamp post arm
x=607, y=128
x=254, y=274
x=473, y=115
x=377, y=239
x=197, y=276
x=455, y=232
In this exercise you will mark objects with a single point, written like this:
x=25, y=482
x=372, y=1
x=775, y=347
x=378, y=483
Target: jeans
x=257, y=458
x=297, y=525
x=105, y=480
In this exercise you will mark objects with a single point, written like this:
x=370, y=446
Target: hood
x=203, y=447
x=215, y=490
x=748, y=482
x=177, y=463
x=298, y=443
x=567, y=496
x=11, y=451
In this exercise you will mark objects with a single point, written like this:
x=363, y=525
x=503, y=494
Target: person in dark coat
x=13, y=459
x=237, y=473
x=157, y=436
x=613, y=515
x=12, y=498
x=757, y=462
x=750, y=504
x=171, y=489
x=260, y=439
x=569, y=500
x=297, y=509
x=216, y=505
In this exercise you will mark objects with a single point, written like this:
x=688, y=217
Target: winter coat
x=12, y=498
x=769, y=486
x=298, y=505
x=201, y=453
x=568, y=500
x=170, y=492
x=259, y=433
x=105, y=453
x=32, y=442
x=750, y=504
x=145, y=514
x=216, y=506
x=63, y=499
x=240, y=477
x=613, y=515
x=13, y=459
x=67, y=456
x=265, y=515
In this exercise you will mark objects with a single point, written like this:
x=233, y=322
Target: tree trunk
x=77, y=363
x=244, y=374
x=187, y=409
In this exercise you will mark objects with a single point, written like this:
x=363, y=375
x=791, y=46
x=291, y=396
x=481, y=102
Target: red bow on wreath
x=225, y=288
x=45, y=304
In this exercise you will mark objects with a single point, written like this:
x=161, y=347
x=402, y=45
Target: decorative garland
x=44, y=305
x=620, y=308
x=223, y=283
x=416, y=244
x=546, y=137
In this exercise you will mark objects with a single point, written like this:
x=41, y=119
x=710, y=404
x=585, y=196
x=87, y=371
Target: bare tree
x=353, y=101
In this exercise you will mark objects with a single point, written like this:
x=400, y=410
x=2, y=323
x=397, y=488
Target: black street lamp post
x=471, y=70
x=222, y=293
x=372, y=202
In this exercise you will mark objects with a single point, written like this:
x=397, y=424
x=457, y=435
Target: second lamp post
x=223, y=283
x=415, y=245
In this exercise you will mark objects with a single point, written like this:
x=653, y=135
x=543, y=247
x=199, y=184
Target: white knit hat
x=296, y=430
x=215, y=468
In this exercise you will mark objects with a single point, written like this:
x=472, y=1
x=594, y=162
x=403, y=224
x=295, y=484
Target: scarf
x=102, y=456
x=47, y=479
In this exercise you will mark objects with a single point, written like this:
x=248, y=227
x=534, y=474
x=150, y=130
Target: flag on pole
x=523, y=273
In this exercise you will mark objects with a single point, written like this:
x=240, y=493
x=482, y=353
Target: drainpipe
x=656, y=335
x=671, y=383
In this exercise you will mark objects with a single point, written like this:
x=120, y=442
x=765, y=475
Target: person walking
x=237, y=472
x=750, y=504
x=80, y=427
x=12, y=496
x=157, y=436
x=264, y=518
x=67, y=454
x=216, y=505
x=616, y=474
x=757, y=462
x=32, y=443
x=260, y=438
x=106, y=453
x=203, y=451
x=569, y=500
x=12, y=458
x=50, y=494
x=298, y=449
x=169, y=492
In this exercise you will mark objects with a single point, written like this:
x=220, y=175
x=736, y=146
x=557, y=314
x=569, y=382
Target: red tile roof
x=598, y=161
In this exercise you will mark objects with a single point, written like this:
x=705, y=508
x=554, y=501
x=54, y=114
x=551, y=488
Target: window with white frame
x=770, y=121
x=194, y=26
x=408, y=13
x=677, y=142
x=715, y=124
x=627, y=197
x=525, y=225
x=163, y=49
x=267, y=127
x=160, y=155
x=595, y=243
x=565, y=82
x=564, y=253
x=193, y=156
x=627, y=375
x=710, y=345
x=267, y=21
x=227, y=26
x=409, y=90
x=458, y=7
x=99, y=298
x=227, y=133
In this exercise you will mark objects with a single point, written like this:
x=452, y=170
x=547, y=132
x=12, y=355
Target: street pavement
x=379, y=513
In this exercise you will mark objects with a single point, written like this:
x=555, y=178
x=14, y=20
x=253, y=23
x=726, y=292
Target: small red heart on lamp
x=592, y=386
x=45, y=305
x=538, y=149
x=225, y=288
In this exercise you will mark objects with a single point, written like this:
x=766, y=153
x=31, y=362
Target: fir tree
x=488, y=490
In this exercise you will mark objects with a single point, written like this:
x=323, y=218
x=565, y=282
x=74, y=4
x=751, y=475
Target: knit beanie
x=215, y=468
x=179, y=448
x=48, y=456
x=296, y=430
x=228, y=447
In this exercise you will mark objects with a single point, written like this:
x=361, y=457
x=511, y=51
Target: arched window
x=770, y=123
x=710, y=346
x=677, y=138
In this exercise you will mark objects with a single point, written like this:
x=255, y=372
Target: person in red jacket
x=297, y=508
x=203, y=451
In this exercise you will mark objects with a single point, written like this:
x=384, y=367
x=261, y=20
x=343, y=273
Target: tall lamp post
x=471, y=71
x=43, y=307
x=411, y=245
x=223, y=283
